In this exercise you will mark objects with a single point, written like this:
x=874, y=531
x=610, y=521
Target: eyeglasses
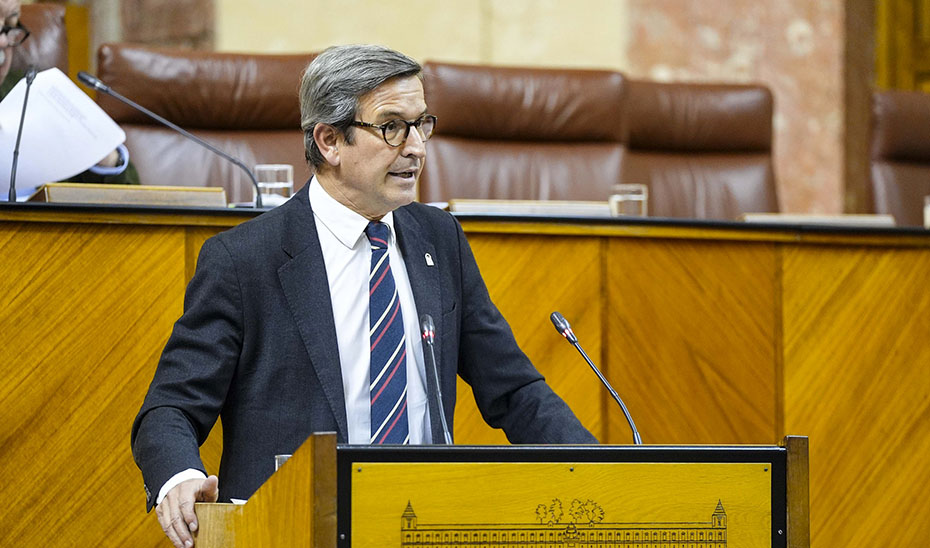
x=15, y=35
x=395, y=132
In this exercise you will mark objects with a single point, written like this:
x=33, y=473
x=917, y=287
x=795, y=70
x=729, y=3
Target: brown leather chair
x=47, y=45
x=900, y=155
x=522, y=133
x=244, y=104
x=704, y=150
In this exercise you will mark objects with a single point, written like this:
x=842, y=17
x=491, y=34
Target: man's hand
x=110, y=160
x=176, y=511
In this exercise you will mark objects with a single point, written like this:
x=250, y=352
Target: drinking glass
x=630, y=200
x=276, y=182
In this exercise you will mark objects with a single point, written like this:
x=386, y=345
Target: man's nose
x=414, y=145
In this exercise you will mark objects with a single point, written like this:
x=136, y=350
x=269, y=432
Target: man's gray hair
x=333, y=83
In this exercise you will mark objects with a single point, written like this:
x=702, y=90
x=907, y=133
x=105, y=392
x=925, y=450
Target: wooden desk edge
x=674, y=229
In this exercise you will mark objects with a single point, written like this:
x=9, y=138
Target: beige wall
x=793, y=46
x=584, y=33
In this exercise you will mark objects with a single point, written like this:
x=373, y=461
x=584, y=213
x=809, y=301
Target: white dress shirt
x=347, y=257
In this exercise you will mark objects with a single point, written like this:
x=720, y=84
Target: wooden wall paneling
x=77, y=29
x=528, y=277
x=894, y=44
x=920, y=44
x=89, y=307
x=903, y=44
x=884, y=47
x=857, y=382
x=691, y=340
x=858, y=83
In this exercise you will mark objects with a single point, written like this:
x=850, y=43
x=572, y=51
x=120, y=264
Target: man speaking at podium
x=306, y=319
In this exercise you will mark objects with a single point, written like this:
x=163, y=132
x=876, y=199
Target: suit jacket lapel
x=423, y=271
x=306, y=288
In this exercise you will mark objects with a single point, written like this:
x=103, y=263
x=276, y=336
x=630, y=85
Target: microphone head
x=559, y=321
x=562, y=326
x=31, y=73
x=86, y=78
x=427, y=328
x=92, y=81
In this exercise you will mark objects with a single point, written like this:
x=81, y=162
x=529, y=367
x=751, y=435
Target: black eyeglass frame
x=383, y=127
x=18, y=26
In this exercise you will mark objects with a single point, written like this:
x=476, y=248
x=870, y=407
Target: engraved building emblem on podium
x=581, y=523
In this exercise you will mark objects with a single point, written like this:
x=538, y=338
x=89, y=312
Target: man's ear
x=327, y=140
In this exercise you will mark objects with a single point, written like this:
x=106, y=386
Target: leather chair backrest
x=704, y=150
x=47, y=45
x=900, y=155
x=522, y=133
x=244, y=104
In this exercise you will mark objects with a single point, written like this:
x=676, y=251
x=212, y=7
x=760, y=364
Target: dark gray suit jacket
x=256, y=345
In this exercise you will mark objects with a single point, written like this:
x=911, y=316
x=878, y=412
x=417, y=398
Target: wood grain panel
x=140, y=215
x=295, y=507
x=857, y=381
x=687, y=322
x=89, y=308
x=903, y=44
x=528, y=277
x=690, y=340
x=77, y=29
x=859, y=77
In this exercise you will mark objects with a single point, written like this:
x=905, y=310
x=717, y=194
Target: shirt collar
x=346, y=225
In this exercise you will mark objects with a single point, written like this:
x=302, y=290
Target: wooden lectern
x=527, y=496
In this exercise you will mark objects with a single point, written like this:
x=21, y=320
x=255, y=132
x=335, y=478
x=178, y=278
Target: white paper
x=64, y=133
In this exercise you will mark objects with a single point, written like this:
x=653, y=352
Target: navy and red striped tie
x=388, y=373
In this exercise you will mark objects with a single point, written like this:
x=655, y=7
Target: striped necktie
x=388, y=373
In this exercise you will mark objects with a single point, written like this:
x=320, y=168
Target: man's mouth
x=405, y=174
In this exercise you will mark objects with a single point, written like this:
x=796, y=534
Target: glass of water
x=276, y=182
x=629, y=200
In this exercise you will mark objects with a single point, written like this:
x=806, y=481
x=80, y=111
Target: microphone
x=30, y=77
x=562, y=326
x=96, y=84
x=428, y=330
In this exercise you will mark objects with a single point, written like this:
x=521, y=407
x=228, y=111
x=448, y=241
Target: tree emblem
x=542, y=513
x=555, y=512
x=580, y=513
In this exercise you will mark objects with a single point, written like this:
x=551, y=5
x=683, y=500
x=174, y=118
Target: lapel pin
x=429, y=260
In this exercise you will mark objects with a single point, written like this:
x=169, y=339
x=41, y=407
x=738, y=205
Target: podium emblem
x=580, y=523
